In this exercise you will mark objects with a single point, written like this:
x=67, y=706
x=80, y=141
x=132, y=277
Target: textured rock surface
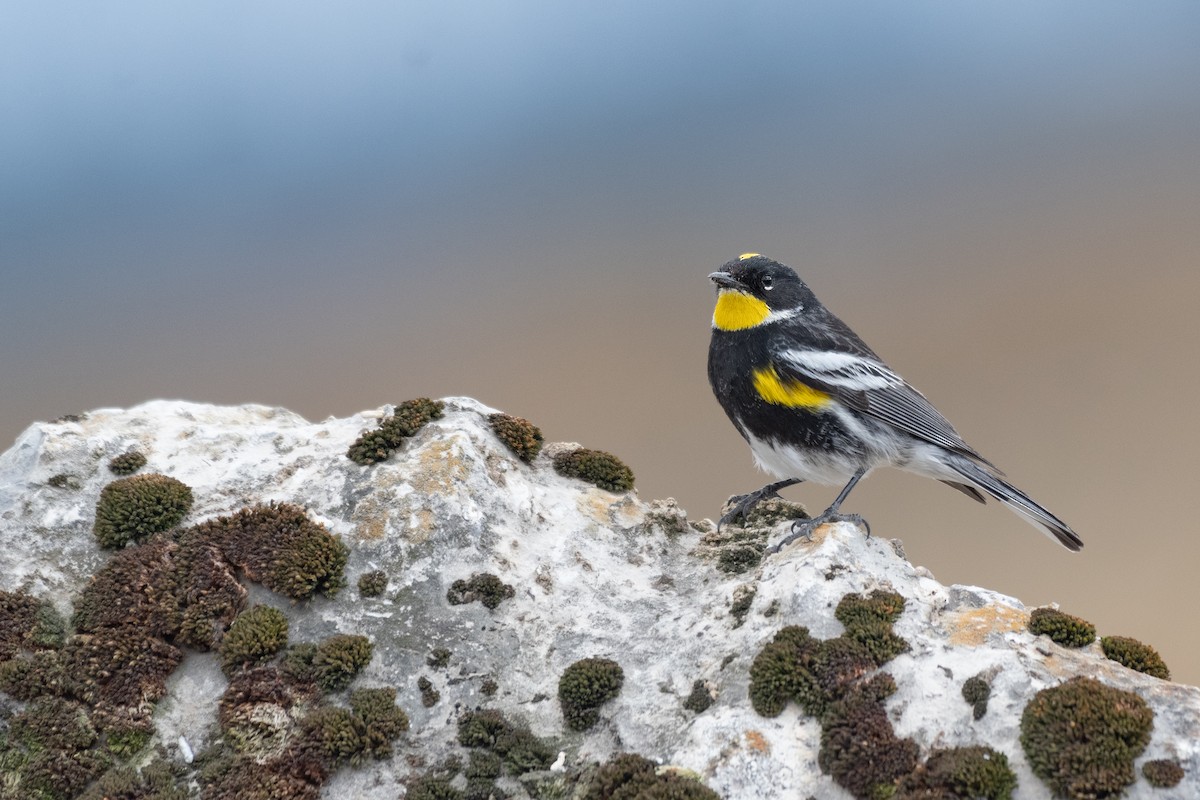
x=594, y=573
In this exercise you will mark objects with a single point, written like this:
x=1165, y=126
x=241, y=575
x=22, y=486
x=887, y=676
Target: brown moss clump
x=1063, y=629
x=408, y=418
x=585, y=686
x=279, y=546
x=1082, y=737
x=119, y=667
x=1135, y=655
x=520, y=435
x=138, y=586
x=596, y=467
x=50, y=751
x=1163, y=773
x=628, y=776
x=256, y=636
x=131, y=509
x=28, y=623
x=859, y=747
x=210, y=595
x=127, y=463
x=975, y=772
x=482, y=586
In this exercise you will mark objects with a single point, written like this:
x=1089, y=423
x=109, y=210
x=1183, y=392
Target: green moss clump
x=433, y=787
x=1135, y=655
x=131, y=509
x=628, y=776
x=975, y=772
x=584, y=687
x=868, y=620
x=372, y=584
x=1081, y=737
x=408, y=418
x=976, y=691
x=517, y=748
x=254, y=637
x=338, y=735
x=429, y=695
x=1162, y=773
x=700, y=698
x=49, y=751
x=279, y=546
x=158, y=780
x=596, y=467
x=482, y=586
x=738, y=557
x=384, y=721
x=521, y=435
x=336, y=661
x=1063, y=629
x=783, y=671
x=27, y=623
x=128, y=740
x=857, y=611
x=859, y=747
x=127, y=463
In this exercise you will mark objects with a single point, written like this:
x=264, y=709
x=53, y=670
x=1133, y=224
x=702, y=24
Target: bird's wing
x=866, y=384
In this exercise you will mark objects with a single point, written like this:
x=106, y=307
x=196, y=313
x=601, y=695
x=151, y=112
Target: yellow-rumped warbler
x=816, y=404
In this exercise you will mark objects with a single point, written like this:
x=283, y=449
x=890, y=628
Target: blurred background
x=332, y=209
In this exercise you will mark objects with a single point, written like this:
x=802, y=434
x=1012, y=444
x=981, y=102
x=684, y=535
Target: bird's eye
x=767, y=283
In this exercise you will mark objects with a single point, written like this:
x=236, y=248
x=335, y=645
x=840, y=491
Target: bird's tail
x=1021, y=503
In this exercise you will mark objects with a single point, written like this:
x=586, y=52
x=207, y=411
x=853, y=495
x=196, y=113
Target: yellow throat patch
x=793, y=394
x=736, y=311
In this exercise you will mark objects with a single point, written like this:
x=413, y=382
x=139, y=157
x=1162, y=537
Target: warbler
x=815, y=403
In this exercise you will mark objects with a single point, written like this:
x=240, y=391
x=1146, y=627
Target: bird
x=815, y=403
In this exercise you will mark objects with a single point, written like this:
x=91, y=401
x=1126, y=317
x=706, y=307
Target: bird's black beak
x=726, y=281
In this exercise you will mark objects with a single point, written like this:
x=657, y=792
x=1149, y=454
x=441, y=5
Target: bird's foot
x=805, y=527
x=740, y=505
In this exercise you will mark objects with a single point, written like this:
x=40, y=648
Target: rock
x=595, y=574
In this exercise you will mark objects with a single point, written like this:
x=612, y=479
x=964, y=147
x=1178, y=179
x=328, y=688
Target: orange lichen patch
x=973, y=627
x=757, y=742
x=439, y=468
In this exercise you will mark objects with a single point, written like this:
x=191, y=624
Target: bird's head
x=754, y=290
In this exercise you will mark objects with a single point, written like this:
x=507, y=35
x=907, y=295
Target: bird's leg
x=805, y=527
x=742, y=503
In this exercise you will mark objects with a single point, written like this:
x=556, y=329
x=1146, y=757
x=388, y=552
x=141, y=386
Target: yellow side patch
x=793, y=394
x=736, y=311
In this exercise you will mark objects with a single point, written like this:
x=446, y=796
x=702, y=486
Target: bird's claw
x=805, y=527
x=742, y=505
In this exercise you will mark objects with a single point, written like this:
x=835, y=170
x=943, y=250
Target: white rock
x=595, y=574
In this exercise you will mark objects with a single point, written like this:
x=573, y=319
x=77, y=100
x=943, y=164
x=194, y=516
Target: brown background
x=1003, y=200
